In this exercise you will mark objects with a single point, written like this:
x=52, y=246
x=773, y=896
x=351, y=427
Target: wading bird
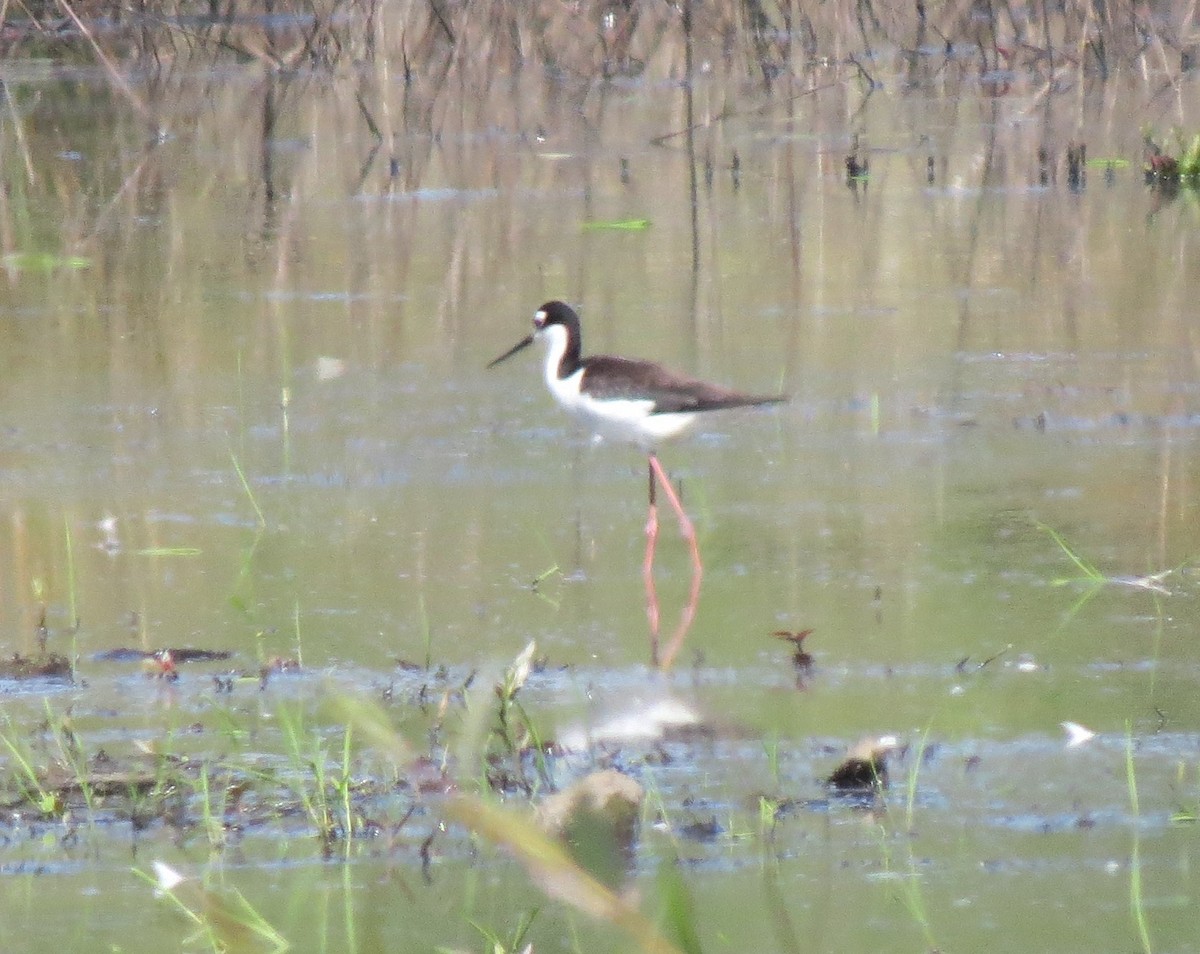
x=635, y=402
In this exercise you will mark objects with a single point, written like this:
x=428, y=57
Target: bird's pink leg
x=648, y=570
x=685, y=525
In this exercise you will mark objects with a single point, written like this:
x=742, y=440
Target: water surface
x=244, y=409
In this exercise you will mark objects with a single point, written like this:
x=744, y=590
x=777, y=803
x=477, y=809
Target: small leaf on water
x=624, y=225
x=44, y=261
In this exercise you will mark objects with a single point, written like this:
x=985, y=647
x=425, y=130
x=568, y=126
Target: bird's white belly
x=628, y=420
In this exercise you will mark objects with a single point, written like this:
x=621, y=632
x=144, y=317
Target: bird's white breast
x=629, y=420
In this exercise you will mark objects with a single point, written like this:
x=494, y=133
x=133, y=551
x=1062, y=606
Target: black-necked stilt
x=636, y=402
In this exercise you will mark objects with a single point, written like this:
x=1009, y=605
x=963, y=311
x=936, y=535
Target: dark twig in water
x=122, y=654
x=437, y=12
x=729, y=113
x=961, y=665
x=802, y=661
x=856, y=168
x=366, y=114
x=872, y=84
x=1076, y=165
x=427, y=857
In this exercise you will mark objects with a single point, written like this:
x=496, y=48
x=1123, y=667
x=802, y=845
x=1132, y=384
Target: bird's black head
x=555, y=313
x=548, y=316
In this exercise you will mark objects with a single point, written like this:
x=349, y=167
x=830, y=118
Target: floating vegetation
x=864, y=769
x=802, y=660
x=620, y=225
x=43, y=261
x=169, y=551
x=450, y=766
x=39, y=666
x=858, y=164
x=1172, y=169
x=1093, y=578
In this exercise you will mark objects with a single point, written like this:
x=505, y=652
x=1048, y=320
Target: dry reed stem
x=482, y=42
x=115, y=76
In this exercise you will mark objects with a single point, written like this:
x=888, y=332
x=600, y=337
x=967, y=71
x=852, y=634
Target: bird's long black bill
x=523, y=343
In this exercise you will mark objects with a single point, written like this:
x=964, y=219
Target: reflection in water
x=267, y=147
x=688, y=614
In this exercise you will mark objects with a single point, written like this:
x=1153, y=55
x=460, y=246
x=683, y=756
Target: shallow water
x=243, y=408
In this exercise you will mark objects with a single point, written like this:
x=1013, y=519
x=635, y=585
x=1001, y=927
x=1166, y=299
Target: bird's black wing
x=606, y=376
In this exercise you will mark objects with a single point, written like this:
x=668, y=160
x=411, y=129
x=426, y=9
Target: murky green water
x=243, y=408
